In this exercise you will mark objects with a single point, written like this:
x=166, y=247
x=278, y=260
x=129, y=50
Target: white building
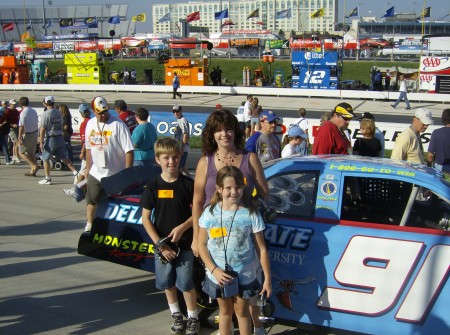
x=238, y=11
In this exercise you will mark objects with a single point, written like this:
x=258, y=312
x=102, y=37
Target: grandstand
x=46, y=21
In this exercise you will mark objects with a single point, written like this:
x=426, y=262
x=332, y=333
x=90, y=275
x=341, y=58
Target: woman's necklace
x=226, y=160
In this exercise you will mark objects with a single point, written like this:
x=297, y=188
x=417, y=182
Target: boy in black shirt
x=170, y=197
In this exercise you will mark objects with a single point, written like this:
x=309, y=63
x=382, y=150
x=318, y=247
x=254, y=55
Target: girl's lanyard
x=227, y=267
x=101, y=160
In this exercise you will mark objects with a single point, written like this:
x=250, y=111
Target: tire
x=58, y=166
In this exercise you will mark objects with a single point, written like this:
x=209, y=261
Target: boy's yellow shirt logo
x=218, y=232
x=165, y=194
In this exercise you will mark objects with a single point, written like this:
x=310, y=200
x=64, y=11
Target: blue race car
x=355, y=243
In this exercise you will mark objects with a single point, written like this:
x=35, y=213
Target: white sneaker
x=11, y=162
x=45, y=181
x=88, y=227
x=68, y=191
x=17, y=160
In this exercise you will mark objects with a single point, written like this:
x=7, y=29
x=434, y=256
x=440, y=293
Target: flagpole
x=43, y=18
x=229, y=41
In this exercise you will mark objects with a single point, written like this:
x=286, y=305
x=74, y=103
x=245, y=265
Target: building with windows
x=46, y=20
x=166, y=17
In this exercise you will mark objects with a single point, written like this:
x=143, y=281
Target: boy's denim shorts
x=245, y=291
x=179, y=273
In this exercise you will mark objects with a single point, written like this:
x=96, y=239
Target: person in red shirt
x=330, y=138
x=125, y=115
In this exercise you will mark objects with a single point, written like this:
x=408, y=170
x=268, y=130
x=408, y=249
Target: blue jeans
x=402, y=96
x=4, y=143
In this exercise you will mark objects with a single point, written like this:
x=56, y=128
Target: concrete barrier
x=233, y=90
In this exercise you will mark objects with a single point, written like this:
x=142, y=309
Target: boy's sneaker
x=88, y=227
x=11, y=162
x=193, y=326
x=45, y=181
x=177, y=323
x=69, y=191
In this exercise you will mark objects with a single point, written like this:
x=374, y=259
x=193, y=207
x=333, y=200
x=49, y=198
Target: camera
x=232, y=287
x=262, y=300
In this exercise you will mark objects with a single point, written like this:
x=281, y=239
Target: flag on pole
x=255, y=13
x=29, y=25
x=389, y=12
x=8, y=26
x=318, y=13
x=91, y=22
x=354, y=12
x=139, y=18
x=221, y=15
x=283, y=14
x=259, y=22
x=426, y=12
x=165, y=18
x=227, y=23
x=48, y=25
x=114, y=19
x=195, y=16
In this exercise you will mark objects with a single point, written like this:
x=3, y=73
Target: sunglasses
x=175, y=112
x=345, y=118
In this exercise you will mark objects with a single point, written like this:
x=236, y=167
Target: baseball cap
x=4, y=102
x=176, y=107
x=267, y=116
x=295, y=131
x=99, y=105
x=49, y=98
x=344, y=109
x=218, y=106
x=84, y=109
x=367, y=115
x=424, y=115
x=13, y=102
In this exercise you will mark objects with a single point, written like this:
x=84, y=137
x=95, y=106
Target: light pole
x=50, y=3
x=43, y=18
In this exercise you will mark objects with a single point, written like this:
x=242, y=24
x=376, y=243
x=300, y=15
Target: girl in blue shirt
x=231, y=242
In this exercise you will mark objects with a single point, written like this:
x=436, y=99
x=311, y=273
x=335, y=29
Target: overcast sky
x=440, y=9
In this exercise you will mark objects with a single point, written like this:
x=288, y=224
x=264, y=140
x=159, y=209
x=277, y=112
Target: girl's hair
x=64, y=109
x=221, y=119
x=142, y=113
x=369, y=125
x=167, y=146
x=238, y=176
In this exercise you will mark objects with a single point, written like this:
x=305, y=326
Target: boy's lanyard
x=225, y=246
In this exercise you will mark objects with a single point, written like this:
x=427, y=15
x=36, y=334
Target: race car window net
x=393, y=202
x=294, y=194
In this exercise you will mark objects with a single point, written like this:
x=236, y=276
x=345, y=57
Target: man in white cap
x=109, y=150
x=181, y=133
x=408, y=146
x=51, y=140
